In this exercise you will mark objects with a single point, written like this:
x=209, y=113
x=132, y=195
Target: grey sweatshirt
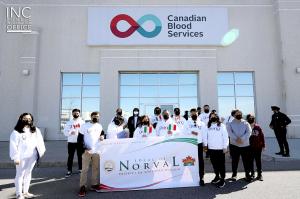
x=239, y=129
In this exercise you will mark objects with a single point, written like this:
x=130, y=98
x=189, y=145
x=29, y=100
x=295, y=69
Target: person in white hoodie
x=165, y=127
x=217, y=141
x=145, y=129
x=115, y=129
x=197, y=128
x=26, y=146
x=179, y=121
x=71, y=131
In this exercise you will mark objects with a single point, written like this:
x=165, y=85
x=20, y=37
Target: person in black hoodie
x=278, y=124
x=134, y=121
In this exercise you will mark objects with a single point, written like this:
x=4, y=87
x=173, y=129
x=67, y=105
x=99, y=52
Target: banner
x=156, y=25
x=149, y=163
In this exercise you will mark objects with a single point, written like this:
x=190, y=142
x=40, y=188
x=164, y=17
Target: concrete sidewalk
x=56, y=154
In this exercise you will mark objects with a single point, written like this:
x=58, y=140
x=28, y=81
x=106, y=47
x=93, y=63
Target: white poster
x=149, y=163
x=157, y=25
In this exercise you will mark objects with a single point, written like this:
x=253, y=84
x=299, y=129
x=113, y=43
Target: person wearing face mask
x=179, y=121
x=165, y=127
x=279, y=123
x=204, y=117
x=156, y=117
x=239, y=132
x=133, y=121
x=257, y=144
x=145, y=129
x=216, y=141
x=71, y=131
x=89, y=137
x=26, y=146
x=197, y=128
x=119, y=113
x=116, y=130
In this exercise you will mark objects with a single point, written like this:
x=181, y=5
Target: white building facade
x=241, y=54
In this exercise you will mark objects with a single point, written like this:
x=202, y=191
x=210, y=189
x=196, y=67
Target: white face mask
x=135, y=112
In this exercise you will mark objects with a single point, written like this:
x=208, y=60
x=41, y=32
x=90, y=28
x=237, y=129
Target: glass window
x=158, y=89
x=82, y=91
x=236, y=91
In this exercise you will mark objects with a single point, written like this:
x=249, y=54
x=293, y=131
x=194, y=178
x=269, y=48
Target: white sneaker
x=29, y=195
x=20, y=197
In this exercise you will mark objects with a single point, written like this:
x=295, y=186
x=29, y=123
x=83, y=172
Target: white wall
x=61, y=46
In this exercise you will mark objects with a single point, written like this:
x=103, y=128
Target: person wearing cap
x=133, y=121
x=279, y=123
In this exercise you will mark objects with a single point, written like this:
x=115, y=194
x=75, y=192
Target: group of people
x=215, y=136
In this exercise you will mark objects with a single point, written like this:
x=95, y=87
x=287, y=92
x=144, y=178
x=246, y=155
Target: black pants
x=236, y=152
x=256, y=156
x=280, y=134
x=201, y=161
x=72, y=147
x=217, y=158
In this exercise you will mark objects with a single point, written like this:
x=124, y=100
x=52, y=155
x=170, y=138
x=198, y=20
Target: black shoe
x=68, y=174
x=286, y=155
x=215, y=180
x=260, y=178
x=202, y=183
x=248, y=179
x=279, y=153
x=221, y=183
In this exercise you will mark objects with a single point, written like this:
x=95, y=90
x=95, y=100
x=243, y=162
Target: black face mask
x=251, y=120
x=119, y=113
x=146, y=123
x=166, y=117
x=213, y=119
x=76, y=116
x=238, y=117
x=177, y=113
x=206, y=110
x=26, y=122
x=117, y=122
x=194, y=117
x=95, y=120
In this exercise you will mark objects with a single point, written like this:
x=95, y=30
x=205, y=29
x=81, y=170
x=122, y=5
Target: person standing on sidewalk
x=279, y=123
x=216, y=141
x=26, y=146
x=197, y=128
x=257, y=144
x=90, y=135
x=71, y=131
x=239, y=132
x=145, y=129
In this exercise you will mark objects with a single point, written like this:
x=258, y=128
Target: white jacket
x=113, y=130
x=204, y=117
x=198, y=127
x=217, y=137
x=73, y=125
x=180, y=125
x=144, y=131
x=163, y=127
x=23, y=145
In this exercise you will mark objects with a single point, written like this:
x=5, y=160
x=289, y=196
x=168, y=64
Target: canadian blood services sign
x=156, y=25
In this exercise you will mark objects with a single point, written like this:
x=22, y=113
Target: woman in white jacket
x=145, y=129
x=25, y=147
x=216, y=140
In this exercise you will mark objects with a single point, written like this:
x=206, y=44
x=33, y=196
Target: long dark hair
x=20, y=125
x=218, y=120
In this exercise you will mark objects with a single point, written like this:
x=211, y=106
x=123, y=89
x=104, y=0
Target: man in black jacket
x=134, y=121
x=278, y=124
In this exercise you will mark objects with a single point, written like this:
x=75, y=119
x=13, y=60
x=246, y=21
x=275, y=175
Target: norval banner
x=150, y=163
x=156, y=25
